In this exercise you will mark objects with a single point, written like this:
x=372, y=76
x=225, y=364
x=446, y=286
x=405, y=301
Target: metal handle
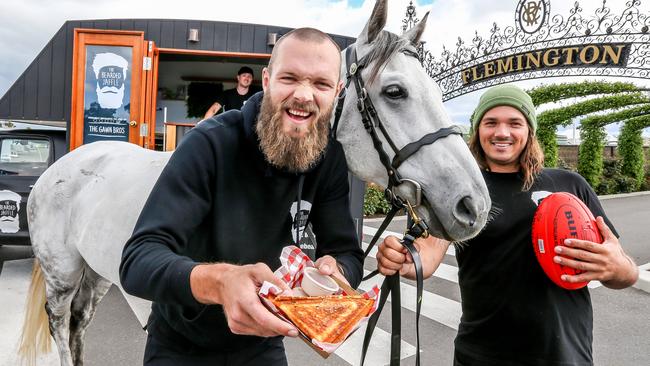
x=133, y=123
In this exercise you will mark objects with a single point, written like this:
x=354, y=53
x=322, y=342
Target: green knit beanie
x=505, y=94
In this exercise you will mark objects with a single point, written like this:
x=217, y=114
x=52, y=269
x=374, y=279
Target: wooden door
x=107, y=87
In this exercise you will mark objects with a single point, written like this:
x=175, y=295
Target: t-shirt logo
x=538, y=196
x=299, y=219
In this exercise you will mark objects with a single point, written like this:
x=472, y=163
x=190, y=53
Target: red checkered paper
x=294, y=262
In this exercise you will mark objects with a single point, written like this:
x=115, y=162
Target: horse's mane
x=385, y=45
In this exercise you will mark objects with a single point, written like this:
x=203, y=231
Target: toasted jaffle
x=324, y=318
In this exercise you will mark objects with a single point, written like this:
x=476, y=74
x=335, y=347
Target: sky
x=26, y=26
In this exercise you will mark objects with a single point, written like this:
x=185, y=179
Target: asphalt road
x=621, y=318
x=631, y=218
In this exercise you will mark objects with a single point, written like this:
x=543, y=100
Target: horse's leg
x=59, y=295
x=54, y=286
x=92, y=290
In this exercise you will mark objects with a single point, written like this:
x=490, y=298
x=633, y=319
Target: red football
x=560, y=216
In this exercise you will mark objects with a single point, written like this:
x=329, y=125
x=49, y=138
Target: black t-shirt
x=231, y=99
x=513, y=314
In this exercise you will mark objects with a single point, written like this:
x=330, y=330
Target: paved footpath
x=621, y=318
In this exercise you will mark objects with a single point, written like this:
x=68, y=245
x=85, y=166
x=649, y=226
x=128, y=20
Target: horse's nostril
x=465, y=212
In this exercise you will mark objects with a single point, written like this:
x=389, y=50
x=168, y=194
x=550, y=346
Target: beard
x=294, y=154
x=110, y=97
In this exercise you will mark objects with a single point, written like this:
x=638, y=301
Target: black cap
x=245, y=70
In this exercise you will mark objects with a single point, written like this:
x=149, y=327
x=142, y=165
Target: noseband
x=416, y=227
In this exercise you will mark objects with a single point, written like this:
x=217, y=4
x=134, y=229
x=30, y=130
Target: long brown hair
x=531, y=160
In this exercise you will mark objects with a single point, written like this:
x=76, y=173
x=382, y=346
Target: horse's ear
x=415, y=33
x=375, y=24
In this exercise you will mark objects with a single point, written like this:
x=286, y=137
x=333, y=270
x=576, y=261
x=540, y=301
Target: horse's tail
x=35, y=337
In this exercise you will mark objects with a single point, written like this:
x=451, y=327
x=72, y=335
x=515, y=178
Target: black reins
x=416, y=227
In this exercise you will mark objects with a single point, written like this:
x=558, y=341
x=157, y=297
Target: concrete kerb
x=623, y=195
x=644, y=270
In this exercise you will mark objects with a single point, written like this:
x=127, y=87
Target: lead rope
x=391, y=285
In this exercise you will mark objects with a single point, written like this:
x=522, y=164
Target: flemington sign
x=540, y=46
x=593, y=55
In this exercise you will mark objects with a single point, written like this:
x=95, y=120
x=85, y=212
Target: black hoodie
x=218, y=200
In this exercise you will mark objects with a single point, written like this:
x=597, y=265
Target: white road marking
x=447, y=272
x=644, y=278
x=594, y=284
x=369, y=230
x=435, y=307
x=381, y=219
x=378, y=350
x=444, y=271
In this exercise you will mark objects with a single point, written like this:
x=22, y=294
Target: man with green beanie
x=513, y=314
x=514, y=106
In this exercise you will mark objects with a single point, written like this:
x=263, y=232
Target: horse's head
x=455, y=201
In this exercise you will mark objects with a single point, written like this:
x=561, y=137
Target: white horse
x=84, y=207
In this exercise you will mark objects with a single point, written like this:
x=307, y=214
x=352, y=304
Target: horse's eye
x=394, y=92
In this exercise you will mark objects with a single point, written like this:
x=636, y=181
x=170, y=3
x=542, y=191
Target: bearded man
x=217, y=219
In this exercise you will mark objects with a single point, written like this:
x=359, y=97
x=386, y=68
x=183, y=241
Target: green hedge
x=630, y=147
x=549, y=120
x=556, y=92
x=590, y=153
x=592, y=134
x=613, y=180
x=374, y=201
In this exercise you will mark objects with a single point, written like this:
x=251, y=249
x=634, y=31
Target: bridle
x=371, y=122
x=416, y=227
